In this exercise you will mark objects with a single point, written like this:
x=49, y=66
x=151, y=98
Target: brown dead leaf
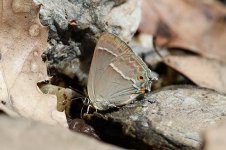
x=215, y=137
x=22, y=41
x=204, y=72
x=198, y=26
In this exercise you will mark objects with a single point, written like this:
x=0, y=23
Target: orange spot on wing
x=142, y=90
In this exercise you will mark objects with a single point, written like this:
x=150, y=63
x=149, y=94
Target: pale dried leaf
x=215, y=138
x=22, y=41
x=202, y=71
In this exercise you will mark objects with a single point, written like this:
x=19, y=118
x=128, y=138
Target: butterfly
x=117, y=75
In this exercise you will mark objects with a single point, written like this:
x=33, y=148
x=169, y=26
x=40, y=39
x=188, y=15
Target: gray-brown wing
x=107, y=48
x=119, y=83
x=113, y=90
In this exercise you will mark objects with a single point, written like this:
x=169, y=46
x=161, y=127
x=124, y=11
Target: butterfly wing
x=113, y=74
x=108, y=47
x=123, y=85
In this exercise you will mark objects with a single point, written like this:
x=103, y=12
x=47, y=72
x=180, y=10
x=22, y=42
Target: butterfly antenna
x=78, y=98
x=81, y=116
x=87, y=111
x=155, y=47
x=79, y=92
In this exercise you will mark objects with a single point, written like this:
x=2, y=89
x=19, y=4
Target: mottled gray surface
x=171, y=118
x=21, y=134
x=75, y=26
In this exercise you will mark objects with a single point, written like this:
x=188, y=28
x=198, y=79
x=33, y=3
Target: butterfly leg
x=87, y=111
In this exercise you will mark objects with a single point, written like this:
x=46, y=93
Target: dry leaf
x=22, y=41
x=215, y=137
x=64, y=95
x=204, y=72
x=193, y=25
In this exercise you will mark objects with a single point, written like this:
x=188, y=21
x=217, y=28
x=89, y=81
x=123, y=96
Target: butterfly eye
x=140, y=78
